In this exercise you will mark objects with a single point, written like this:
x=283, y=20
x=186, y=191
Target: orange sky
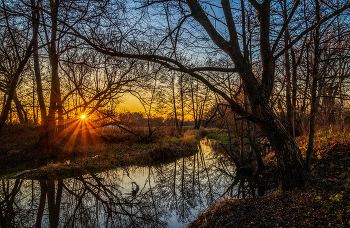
x=131, y=104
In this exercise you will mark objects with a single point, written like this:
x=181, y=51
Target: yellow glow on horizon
x=131, y=104
x=83, y=116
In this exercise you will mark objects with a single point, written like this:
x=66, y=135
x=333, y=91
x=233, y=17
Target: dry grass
x=193, y=135
x=325, y=136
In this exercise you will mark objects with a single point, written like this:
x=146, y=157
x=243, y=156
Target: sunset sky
x=131, y=104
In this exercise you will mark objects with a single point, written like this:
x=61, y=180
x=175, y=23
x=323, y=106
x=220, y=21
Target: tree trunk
x=289, y=119
x=288, y=92
x=310, y=147
x=194, y=113
x=42, y=202
x=252, y=140
x=174, y=103
x=13, y=85
x=289, y=159
x=55, y=96
x=54, y=203
x=255, y=147
x=39, y=87
x=182, y=103
x=18, y=108
x=294, y=93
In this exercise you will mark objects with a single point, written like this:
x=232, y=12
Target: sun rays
x=78, y=135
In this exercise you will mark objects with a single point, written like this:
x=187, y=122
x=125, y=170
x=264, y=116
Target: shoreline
x=323, y=202
x=67, y=161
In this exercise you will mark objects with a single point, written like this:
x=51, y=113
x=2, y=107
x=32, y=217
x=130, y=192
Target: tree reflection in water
x=152, y=197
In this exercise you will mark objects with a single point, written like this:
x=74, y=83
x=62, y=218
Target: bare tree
x=22, y=55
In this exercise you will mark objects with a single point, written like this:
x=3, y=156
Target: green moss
x=222, y=137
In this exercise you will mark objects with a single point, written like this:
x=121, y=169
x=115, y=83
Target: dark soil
x=324, y=202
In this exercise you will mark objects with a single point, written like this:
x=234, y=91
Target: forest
x=243, y=113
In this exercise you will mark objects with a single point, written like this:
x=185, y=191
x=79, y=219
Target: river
x=163, y=195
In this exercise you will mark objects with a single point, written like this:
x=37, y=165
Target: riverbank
x=86, y=151
x=324, y=202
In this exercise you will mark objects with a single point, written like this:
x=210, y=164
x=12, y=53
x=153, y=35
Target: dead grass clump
x=115, y=134
x=166, y=132
x=193, y=135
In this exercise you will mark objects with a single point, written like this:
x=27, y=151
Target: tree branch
x=323, y=20
x=285, y=26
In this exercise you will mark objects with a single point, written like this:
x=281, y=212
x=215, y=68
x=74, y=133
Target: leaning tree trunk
x=289, y=158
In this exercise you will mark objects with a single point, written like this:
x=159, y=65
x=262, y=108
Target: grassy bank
x=218, y=135
x=324, y=202
x=87, y=151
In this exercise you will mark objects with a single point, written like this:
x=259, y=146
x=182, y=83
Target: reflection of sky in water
x=165, y=195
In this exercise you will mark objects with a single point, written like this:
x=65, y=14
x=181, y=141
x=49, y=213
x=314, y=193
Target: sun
x=82, y=116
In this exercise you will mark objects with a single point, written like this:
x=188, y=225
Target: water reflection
x=156, y=196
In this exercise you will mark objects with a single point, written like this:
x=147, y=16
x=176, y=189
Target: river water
x=165, y=195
